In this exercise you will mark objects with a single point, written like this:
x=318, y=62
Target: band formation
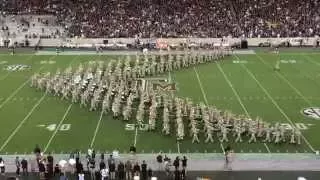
x=119, y=88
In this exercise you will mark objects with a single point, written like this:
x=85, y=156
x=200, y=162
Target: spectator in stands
x=121, y=172
x=136, y=169
x=18, y=165
x=144, y=170
x=24, y=165
x=112, y=170
x=128, y=168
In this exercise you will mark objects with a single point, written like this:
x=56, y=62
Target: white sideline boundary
x=274, y=103
x=238, y=98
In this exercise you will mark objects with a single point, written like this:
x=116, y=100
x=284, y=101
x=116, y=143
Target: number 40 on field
x=53, y=127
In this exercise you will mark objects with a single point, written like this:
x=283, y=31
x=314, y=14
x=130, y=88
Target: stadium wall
x=123, y=42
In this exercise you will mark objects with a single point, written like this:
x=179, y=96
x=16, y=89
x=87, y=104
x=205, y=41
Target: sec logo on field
x=312, y=112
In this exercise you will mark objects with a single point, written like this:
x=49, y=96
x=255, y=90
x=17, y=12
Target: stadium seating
x=170, y=18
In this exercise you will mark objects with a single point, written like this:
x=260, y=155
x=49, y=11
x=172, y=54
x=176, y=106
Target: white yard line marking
x=311, y=59
x=22, y=122
x=238, y=97
x=288, y=82
x=265, y=145
x=201, y=87
x=274, y=102
x=57, y=128
x=204, y=96
x=233, y=90
x=221, y=145
x=22, y=85
x=14, y=93
x=6, y=75
x=96, y=130
x=178, y=147
x=135, y=137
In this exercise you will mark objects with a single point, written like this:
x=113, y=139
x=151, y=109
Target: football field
x=243, y=83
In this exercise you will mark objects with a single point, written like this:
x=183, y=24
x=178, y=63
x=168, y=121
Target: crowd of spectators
x=97, y=167
x=171, y=18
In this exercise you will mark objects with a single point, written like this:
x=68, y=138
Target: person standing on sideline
x=112, y=170
x=160, y=160
x=176, y=163
x=184, y=162
x=144, y=170
x=18, y=164
x=2, y=166
x=228, y=157
x=121, y=173
x=136, y=169
x=110, y=159
x=128, y=167
x=104, y=174
x=24, y=165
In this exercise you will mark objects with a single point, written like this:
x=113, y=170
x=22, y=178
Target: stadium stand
x=169, y=18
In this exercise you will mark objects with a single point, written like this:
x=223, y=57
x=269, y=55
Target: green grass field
x=244, y=84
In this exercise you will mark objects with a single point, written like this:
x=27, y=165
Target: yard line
x=287, y=81
x=274, y=102
x=311, y=60
x=178, y=146
x=201, y=87
x=22, y=122
x=204, y=96
x=265, y=145
x=135, y=137
x=238, y=97
x=22, y=85
x=96, y=130
x=57, y=128
x=233, y=90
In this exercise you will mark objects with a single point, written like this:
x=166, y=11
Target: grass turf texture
x=241, y=83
